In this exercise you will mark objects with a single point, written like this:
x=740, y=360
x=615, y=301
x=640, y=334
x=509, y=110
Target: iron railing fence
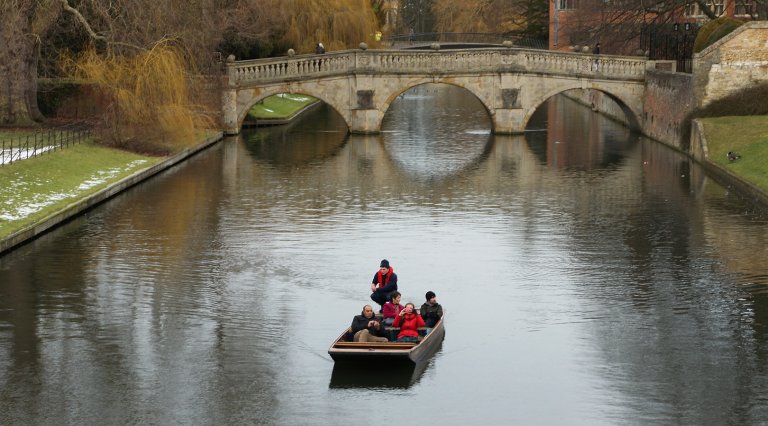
x=29, y=145
x=404, y=40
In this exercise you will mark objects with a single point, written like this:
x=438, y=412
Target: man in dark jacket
x=431, y=311
x=365, y=327
x=384, y=283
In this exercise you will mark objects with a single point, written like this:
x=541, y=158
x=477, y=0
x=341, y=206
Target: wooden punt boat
x=343, y=350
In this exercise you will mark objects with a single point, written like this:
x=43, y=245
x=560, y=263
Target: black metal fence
x=672, y=42
x=14, y=148
x=404, y=40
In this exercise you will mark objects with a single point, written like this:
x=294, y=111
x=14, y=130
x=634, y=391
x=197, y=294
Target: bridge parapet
x=492, y=60
x=282, y=69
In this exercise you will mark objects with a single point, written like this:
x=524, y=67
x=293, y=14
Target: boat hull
x=390, y=352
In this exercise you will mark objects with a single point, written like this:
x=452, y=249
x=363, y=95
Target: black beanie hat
x=384, y=264
x=429, y=295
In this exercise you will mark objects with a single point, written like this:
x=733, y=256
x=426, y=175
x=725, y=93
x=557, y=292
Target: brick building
x=574, y=24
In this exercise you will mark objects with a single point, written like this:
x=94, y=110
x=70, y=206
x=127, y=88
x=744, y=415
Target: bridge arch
x=416, y=82
x=633, y=117
x=303, y=89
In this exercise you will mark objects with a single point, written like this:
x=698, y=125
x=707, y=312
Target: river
x=590, y=276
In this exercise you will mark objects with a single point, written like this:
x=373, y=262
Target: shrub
x=713, y=31
x=749, y=101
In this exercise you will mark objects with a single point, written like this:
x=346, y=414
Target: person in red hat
x=384, y=283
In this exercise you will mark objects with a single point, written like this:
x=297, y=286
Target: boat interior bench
x=392, y=332
x=375, y=345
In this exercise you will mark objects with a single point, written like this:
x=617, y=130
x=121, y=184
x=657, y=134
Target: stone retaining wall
x=737, y=61
x=668, y=100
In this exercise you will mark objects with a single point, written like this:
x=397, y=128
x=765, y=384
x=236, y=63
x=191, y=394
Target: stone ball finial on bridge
x=363, y=46
x=434, y=46
x=291, y=52
x=507, y=43
x=231, y=58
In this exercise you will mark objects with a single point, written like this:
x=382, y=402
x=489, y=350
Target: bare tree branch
x=83, y=21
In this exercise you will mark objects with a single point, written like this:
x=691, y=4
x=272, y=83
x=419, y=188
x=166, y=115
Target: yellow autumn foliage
x=151, y=97
x=338, y=24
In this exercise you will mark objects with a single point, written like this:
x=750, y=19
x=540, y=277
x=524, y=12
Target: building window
x=566, y=4
x=691, y=9
x=744, y=8
x=717, y=6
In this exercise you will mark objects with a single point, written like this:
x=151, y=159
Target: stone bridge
x=361, y=84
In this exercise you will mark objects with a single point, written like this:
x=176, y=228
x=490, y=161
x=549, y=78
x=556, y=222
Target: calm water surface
x=591, y=277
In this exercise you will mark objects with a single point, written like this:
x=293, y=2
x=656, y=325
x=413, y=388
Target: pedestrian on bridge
x=596, y=63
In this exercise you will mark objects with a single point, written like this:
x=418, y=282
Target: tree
x=129, y=27
x=22, y=23
x=416, y=15
x=528, y=17
x=338, y=24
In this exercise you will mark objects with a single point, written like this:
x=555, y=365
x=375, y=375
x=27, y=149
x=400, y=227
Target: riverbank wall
x=669, y=99
x=33, y=231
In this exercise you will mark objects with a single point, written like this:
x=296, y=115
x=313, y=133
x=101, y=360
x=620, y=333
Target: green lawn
x=35, y=188
x=748, y=136
x=281, y=106
x=15, y=135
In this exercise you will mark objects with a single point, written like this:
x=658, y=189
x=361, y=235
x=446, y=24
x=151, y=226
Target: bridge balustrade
x=432, y=62
x=278, y=69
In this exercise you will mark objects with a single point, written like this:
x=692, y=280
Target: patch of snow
x=41, y=201
x=7, y=156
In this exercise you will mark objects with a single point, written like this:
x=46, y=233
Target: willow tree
x=152, y=107
x=338, y=24
x=494, y=16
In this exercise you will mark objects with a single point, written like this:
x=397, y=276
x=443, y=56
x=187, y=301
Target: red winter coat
x=409, y=324
x=390, y=310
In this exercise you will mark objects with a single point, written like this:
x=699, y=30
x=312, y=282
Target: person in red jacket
x=409, y=322
x=384, y=283
x=391, y=309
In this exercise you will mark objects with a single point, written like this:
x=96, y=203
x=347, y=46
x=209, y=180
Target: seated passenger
x=392, y=308
x=409, y=322
x=365, y=328
x=431, y=311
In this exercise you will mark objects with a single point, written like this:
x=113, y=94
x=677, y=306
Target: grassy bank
x=748, y=136
x=38, y=187
x=280, y=106
x=16, y=135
